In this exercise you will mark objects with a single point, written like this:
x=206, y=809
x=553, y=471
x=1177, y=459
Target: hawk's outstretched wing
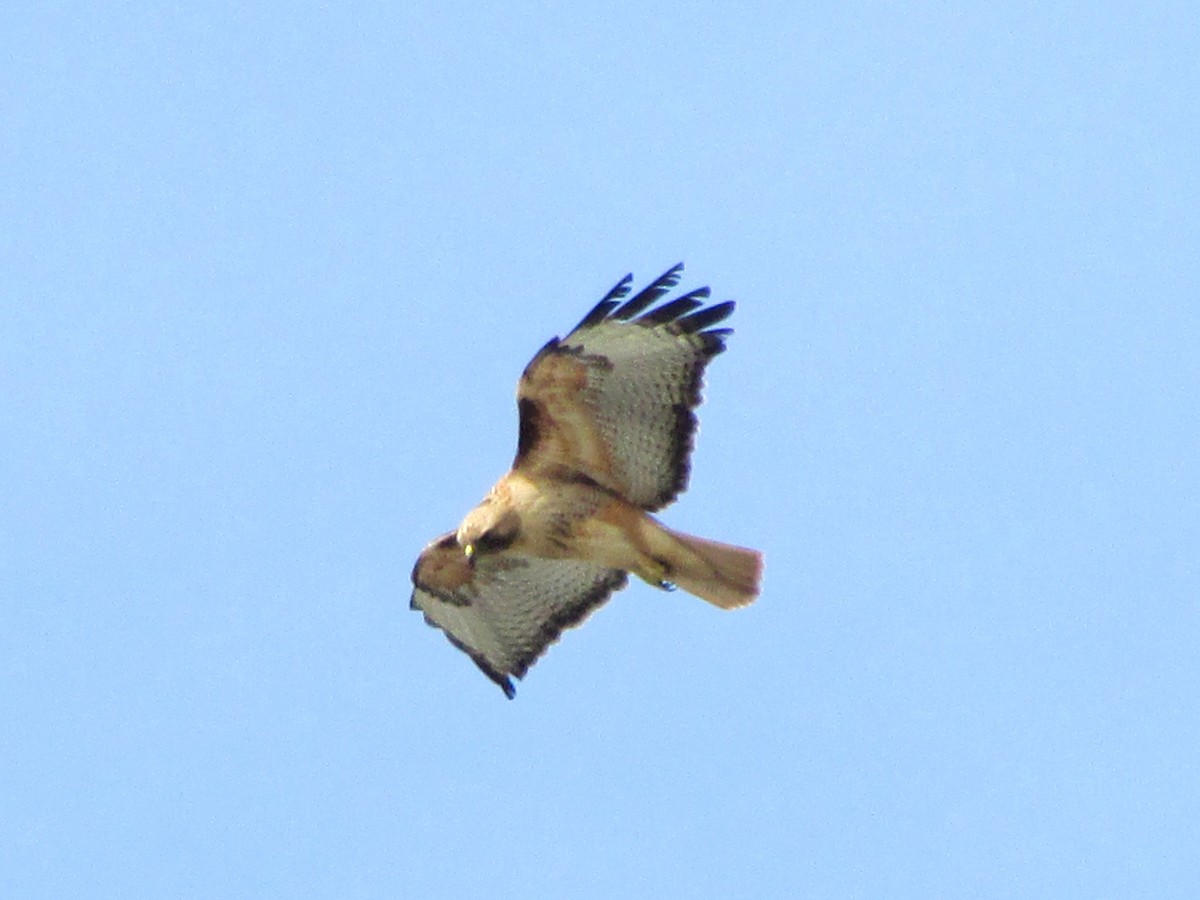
x=503, y=610
x=613, y=400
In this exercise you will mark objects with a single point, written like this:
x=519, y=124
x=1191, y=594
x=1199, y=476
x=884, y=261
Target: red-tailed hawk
x=606, y=431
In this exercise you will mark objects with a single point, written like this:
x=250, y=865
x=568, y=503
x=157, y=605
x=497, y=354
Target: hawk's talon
x=655, y=573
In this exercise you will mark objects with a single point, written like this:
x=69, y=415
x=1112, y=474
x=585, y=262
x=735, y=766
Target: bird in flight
x=606, y=428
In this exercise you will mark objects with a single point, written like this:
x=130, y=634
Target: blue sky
x=268, y=275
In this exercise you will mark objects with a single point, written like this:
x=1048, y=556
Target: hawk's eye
x=492, y=540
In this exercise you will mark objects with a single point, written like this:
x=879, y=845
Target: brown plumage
x=606, y=432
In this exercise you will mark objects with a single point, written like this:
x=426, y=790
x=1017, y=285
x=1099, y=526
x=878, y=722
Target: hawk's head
x=488, y=528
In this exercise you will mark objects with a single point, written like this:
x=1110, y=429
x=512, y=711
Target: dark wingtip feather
x=598, y=314
x=645, y=297
x=680, y=306
x=504, y=682
x=714, y=340
x=698, y=321
x=686, y=312
x=620, y=289
x=607, y=304
x=499, y=678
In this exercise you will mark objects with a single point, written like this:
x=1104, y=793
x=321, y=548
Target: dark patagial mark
x=529, y=428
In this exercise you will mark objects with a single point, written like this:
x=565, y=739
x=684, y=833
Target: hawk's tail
x=724, y=575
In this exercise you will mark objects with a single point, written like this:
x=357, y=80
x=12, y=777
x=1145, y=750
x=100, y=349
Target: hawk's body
x=606, y=430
